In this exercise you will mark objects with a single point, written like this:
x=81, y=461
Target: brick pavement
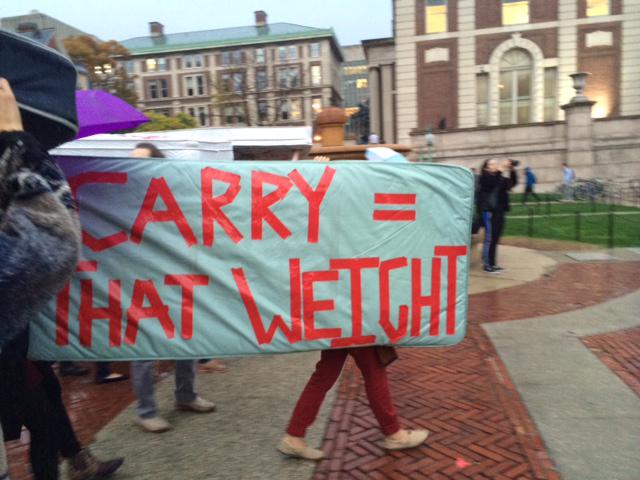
x=620, y=351
x=480, y=428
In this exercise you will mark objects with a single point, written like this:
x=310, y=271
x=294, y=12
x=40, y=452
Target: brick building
x=474, y=63
x=264, y=74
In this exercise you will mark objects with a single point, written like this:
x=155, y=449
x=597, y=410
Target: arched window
x=516, y=72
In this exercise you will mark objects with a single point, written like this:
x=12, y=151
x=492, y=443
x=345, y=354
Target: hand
x=10, y=120
x=505, y=166
x=321, y=158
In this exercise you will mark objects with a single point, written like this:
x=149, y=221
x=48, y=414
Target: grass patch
x=592, y=229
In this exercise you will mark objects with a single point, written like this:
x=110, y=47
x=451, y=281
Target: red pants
x=327, y=371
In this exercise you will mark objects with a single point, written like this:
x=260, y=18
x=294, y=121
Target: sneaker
x=303, y=451
x=198, y=405
x=153, y=424
x=488, y=269
x=411, y=439
x=498, y=269
x=84, y=466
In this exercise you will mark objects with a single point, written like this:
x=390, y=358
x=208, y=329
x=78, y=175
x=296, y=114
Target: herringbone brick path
x=620, y=351
x=480, y=429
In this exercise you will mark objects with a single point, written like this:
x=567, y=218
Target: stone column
x=388, y=128
x=375, y=108
x=579, y=136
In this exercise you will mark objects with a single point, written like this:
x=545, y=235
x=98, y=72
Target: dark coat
x=494, y=189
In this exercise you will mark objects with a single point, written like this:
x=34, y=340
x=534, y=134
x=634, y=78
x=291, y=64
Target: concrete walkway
x=587, y=416
x=254, y=401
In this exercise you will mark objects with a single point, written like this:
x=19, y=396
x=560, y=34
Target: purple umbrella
x=101, y=112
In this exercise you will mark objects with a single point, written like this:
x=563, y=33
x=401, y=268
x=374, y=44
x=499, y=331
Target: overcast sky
x=352, y=20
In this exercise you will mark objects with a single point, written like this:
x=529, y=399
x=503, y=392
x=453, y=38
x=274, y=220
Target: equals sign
x=388, y=215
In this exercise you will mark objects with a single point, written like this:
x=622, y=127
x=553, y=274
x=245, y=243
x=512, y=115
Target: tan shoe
x=198, y=405
x=412, y=439
x=306, y=452
x=153, y=424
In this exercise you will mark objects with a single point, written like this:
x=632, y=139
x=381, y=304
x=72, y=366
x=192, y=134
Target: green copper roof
x=223, y=37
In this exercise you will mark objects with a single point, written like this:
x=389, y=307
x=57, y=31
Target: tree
x=99, y=58
x=161, y=122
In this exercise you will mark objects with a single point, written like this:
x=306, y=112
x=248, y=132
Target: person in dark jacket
x=496, y=180
x=39, y=248
x=531, y=181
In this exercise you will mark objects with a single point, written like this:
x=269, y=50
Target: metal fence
x=590, y=200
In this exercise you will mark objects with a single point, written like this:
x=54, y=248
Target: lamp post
x=428, y=137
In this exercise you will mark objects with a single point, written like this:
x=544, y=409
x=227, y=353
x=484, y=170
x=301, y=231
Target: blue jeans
x=143, y=385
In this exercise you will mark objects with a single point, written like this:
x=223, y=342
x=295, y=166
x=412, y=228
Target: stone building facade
x=265, y=74
x=475, y=63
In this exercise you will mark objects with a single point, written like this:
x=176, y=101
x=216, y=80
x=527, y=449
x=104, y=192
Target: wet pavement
x=465, y=395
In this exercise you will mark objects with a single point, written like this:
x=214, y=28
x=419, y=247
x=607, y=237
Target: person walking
x=496, y=180
x=142, y=372
x=372, y=362
x=531, y=181
x=568, y=177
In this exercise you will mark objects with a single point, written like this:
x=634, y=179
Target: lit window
x=152, y=65
x=362, y=83
x=435, y=12
x=515, y=12
x=316, y=105
x=316, y=75
x=296, y=109
x=597, y=8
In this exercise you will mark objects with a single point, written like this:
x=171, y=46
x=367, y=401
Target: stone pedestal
x=579, y=134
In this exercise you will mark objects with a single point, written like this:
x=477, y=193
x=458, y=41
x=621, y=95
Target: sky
x=352, y=20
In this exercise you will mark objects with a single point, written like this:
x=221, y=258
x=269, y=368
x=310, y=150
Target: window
x=290, y=109
x=233, y=114
x=282, y=54
x=233, y=57
x=152, y=65
x=262, y=83
x=225, y=82
x=158, y=88
x=283, y=110
x=193, y=61
x=515, y=12
x=288, y=77
x=293, y=52
x=515, y=87
x=260, y=57
x=296, y=109
x=482, y=99
x=315, y=50
x=362, y=83
x=550, y=89
x=263, y=111
x=203, y=116
x=316, y=105
x=238, y=82
x=316, y=75
x=194, y=85
x=597, y=8
x=435, y=12
x=128, y=66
